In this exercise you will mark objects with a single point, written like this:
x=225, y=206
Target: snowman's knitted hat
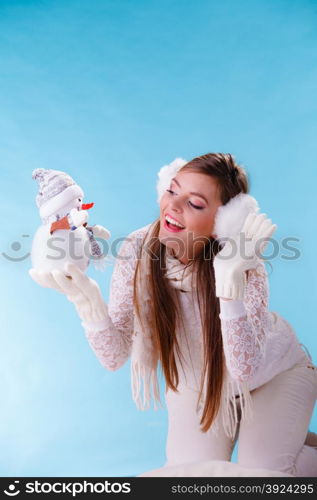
x=56, y=189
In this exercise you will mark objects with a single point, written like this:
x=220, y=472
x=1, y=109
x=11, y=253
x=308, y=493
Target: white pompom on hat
x=166, y=174
x=56, y=189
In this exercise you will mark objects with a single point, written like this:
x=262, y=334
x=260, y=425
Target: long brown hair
x=165, y=310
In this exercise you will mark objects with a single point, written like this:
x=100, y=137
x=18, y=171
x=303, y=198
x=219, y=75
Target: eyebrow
x=192, y=192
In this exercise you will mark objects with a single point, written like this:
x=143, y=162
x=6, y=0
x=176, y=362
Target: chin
x=176, y=246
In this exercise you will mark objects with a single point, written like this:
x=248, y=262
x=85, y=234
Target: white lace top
x=258, y=344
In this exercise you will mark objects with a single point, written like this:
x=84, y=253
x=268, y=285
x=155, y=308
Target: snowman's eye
x=79, y=199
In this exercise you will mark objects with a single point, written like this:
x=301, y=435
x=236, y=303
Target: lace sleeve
x=245, y=325
x=112, y=341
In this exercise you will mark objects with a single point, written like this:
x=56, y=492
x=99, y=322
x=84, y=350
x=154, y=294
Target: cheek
x=163, y=203
x=200, y=224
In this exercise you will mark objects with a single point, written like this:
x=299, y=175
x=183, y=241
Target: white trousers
x=273, y=439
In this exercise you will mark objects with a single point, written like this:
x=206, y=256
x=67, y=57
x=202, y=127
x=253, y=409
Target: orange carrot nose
x=87, y=206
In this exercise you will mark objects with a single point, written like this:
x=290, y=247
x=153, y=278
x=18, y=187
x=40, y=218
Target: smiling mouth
x=172, y=225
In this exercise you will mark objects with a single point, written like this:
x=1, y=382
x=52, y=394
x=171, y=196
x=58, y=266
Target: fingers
x=78, y=277
x=87, y=286
x=248, y=223
x=266, y=235
x=66, y=284
x=259, y=222
x=36, y=277
x=93, y=307
x=87, y=305
x=269, y=231
x=258, y=226
x=253, y=222
x=265, y=229
x=45, y=279
x=83, y=292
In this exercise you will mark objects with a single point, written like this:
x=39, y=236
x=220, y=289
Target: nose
x=176, y=205
x=87, y=206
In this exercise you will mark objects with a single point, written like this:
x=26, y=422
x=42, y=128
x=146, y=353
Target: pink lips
x=172, y=229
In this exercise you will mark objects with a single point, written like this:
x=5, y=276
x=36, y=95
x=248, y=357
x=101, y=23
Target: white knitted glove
x=82, y=291
x=241, y=253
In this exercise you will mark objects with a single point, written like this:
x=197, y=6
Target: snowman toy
x=64, y=235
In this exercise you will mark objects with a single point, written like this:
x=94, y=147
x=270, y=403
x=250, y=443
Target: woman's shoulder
x=134, y=239
x=140, y=232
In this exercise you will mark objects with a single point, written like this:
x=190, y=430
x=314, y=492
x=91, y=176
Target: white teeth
x=172, y=221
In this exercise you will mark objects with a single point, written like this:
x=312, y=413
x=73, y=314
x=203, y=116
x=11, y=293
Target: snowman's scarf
x=95, y=250
x=144, y=357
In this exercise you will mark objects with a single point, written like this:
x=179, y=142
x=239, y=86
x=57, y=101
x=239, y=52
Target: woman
x=189, y=294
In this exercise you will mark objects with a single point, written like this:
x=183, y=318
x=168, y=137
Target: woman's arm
x=245, y=325
x=108, y=328
x=111, y=340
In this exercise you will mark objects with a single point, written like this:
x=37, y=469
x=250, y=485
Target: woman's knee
x=302, y=464
x=282, y=463
x=306, y=462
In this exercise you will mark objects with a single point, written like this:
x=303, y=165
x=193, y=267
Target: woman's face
x=191, y=201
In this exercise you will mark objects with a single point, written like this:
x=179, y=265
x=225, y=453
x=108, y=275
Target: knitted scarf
x=144, y=357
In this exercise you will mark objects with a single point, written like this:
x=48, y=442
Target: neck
x=184, y=259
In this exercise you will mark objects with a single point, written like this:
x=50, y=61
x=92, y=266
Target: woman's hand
x=240, y=254
x=82, y=291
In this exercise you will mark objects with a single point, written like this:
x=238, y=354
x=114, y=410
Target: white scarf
x=144, y=358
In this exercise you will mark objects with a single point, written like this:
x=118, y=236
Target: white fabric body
x=258, y=345
x=51, y=251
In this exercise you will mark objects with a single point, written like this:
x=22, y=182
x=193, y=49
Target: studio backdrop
x=109, y=92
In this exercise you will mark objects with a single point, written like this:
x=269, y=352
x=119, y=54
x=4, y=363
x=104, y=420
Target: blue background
x=109, y=91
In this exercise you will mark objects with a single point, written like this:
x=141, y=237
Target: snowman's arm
x=112, y=341
x=100, y=232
